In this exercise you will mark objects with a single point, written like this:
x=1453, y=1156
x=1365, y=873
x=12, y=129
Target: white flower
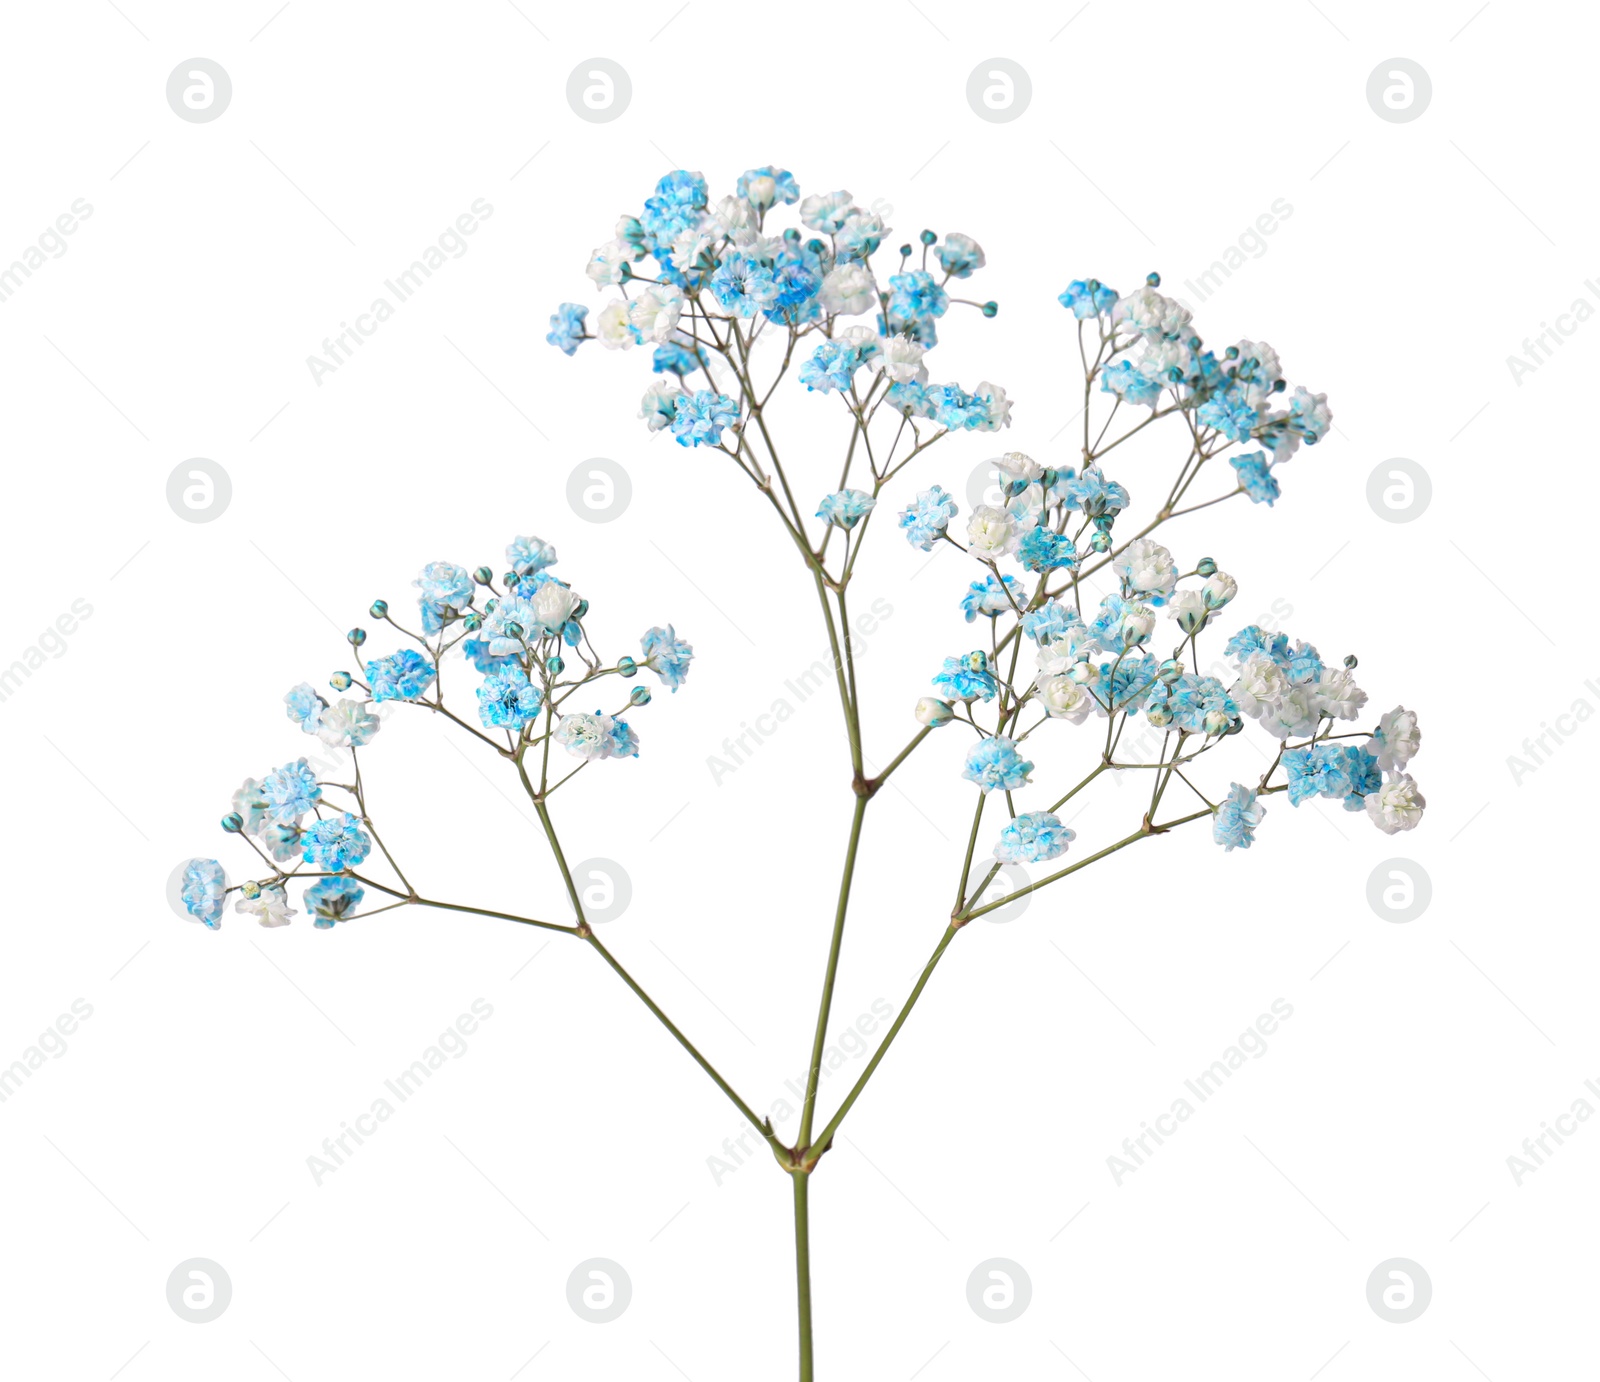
x=993, y=532
x=688, y=246
x=269, y=906
x=1261, y=687
x=654, y=313
x=1063, y=699
x=1147, y=568
x=348, y=725
x=660, y=404
x=999, y=406
x=585, y=736
x=734, y=213
x=1219, y=590
x=1147, y=311
x=553, y=604
x=1138, y=624
x=1189, y=609
x=1295, y=713
x=933, y=712
x=1397, y=805
x=1397, y=740
x=1338, y=694
x=826, y=212
x=1016, y=466
x=614, y=330
x=901, y=360
x=848, y=290
x=605, y=264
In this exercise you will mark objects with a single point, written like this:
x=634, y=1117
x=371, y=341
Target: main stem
x=802, y=1267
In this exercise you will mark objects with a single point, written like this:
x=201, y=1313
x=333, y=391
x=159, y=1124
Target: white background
x=178, y=1123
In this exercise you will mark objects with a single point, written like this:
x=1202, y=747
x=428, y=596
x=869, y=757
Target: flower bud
x=1137, y=626
x=340, y=681
x=509, y=580
x=483, y=575
x=580, y=609
x=977, y=660
x=627, y=667
x=357, y=637
x=927, y=237
x=233, y=822
x=990, y=308
x=473, y=622
x=250, y=888
x=1220, y=589
x=380, y=609
x=1205, y=567
x=555, y=666
x=1081, y=672
x=513, y=630
x=933, y=712
x=1159, y=716
x=1153, y=280
x=1350, y=662
x=1217, y=722
x=1170, y=672
x=640, y=695
x=1191, y=620
x=1101, y=542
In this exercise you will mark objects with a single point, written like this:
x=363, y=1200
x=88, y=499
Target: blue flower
x=914, y=297
x=1129, y=688
x=1256, y=477
x=1050, y=622
x=1303, y=664
x=336, y=843
x=566, y=327
x=701, y=418
x=1083, y=301
x=507, y=699
x=1253, y=639
x=1093, y=494
x=331, y=900
x=767, y=187
x=526, y=555
x=966, y=679
x=304, y=706
x=846, y=508
x=674, y=359
x=290, y=791
x=1340, y=772
x=925, y=520
x=1237, y=816
x=1230, y=415
x=204, y=891
x=477, y=652
x=796, y=284
x=1199, y=705
x=401, y=677
x=743, y=286
x=1033, y=838
x=993, y=596
x=624, y=743
x=832, y=366
x=1131, y=384
x=959, y=255
x=1043, y=550
x=446, y=589
x=667, y=655
x=995, y=763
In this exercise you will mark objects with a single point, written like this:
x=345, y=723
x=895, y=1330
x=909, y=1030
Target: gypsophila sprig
x=1096, y=637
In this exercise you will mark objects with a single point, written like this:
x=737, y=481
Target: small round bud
x=509, y=580
x=792, y=235
x=1101, y=541
x=1093, y=285
x=640, y=695
x=357, y=637
x=990, y=308
x=1081, y=672
x=1206, y=567
x=233, y=822
x=977, y=660
x=626, y=271
x=250, y=888
x=513, y=630
x=627, y=667
x=483, y=575
x=933, y=712
x=1217, y=722
x=340, y=681
x=1191, y=620
x=1153, y=280
x=580, y=609
x=555, y=666
x=1219, y=590
x=1170, y=672
x=1350, y=662
x=380, y=609
x=1234, y=726
x=1137, y=626
x=1232, y=352
x=905, y=251
x=473, y=622
x=927, y=237
x=1159, y=716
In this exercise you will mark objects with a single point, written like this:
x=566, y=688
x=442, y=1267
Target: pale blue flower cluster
x=1033, y=838
x=925, y=520
x=845, y=508
x=204, y=891
x=336, y=843
x=332, y=900
x=966, y=679
x=403, y=676
x=994, y=764
x=667, y=655
x=1238, y=815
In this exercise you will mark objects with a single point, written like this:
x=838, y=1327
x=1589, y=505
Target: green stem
x=802, y=1267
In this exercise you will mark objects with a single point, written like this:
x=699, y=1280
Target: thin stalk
x=802, y=1268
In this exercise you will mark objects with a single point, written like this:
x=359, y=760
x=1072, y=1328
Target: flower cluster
x=521, y=638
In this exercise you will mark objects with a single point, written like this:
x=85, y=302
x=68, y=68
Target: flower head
x=1033, y=838
x=403, y=676
x=507, y=699
x=304, y=706
x=846, y=508
x=336, y=843
x=331, y=900
x=348, y=725
x=925, y=520
x=269, y=905
x=1237, y=816
x=667, y=655
x=995, y=763
x=204, y=891
x=290, y=791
